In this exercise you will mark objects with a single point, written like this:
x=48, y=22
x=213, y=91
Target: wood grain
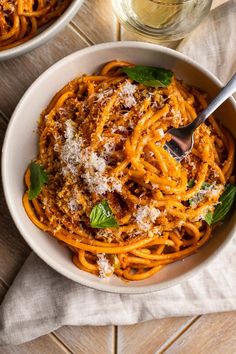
x=3, y=290
x=16, y=75
x=96, y=21
x=149, y=336
x=13, y=249
x=213, y=334
x=88, y=339
x=43, y=345
x=13, y=252
x=216, y=3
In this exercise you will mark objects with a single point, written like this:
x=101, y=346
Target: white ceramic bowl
x=20, y=146
x=45, y=34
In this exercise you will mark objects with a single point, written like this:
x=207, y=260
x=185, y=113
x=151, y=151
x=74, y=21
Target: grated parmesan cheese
x=157, y=230
x=70, y=130
x=101, y=184
x=105, y=268
x=177, y=118
x=128, y=89
x=108, y=149
x=62, y=112
x=71, y=150
x=161, y=133
x=146, y=216
x=56, y=147
x=92, y=160
x=190, y=162
x=129, y=102
x=116, y=184
x=96, y=182
x=211, y=191
x=73, y=154
x=8, y=6
x=127, y=94
x=73, y=205
x=120, y=129
x=217, y=190
x=94, y=176
x=106, y=234
x=100, y=96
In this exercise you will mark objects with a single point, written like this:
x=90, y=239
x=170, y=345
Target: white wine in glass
x=161, y=20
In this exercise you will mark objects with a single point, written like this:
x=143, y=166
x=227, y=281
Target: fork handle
x=222, y=96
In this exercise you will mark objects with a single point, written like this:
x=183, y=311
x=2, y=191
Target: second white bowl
x=45, y=34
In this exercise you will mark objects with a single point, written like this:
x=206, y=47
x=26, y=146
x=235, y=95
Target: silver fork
x=182, y=141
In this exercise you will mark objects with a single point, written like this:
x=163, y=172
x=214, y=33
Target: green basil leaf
x=208, y=218
x=191, y=202
x=225, y=203
x=191, y=183
x=37, y=179
x=101, y=216
x=149, y=76
x=205, y=186
x=195, y=198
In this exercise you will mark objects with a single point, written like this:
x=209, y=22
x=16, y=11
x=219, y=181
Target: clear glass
x=162, y=20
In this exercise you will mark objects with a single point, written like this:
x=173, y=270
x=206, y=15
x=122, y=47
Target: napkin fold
x=41, y=300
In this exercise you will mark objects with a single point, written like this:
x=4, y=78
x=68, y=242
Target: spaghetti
x=101, y=141
x=20, y=20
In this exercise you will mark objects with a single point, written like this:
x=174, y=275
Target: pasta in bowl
x=112, y=193
x=102, y=184
x=26, y=24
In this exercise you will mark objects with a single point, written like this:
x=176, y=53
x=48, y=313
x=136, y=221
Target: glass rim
x=170, y=2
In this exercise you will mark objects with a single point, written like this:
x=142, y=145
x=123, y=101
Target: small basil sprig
x=101, y=216
x=225, y=203
x=204, y=187
x=208, y=218
x=38, y=178
x=191, y=183
x=149, y=76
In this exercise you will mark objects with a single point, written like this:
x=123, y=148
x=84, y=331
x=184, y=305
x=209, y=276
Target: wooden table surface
x=94, y=23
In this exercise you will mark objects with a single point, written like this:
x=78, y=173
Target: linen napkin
x=40, y=300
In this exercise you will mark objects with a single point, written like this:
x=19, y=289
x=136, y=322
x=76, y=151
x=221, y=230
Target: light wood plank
x=149, y=336
x=216, y=3
x=42, y=345
x=97, y=21
x=16, y=75
x=46, y=344
x=88, y=339
x=13, y=249
x=3, y=291
x=213, y=334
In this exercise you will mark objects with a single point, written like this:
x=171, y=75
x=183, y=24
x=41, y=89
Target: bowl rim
x=7, y=190
x=45, y=35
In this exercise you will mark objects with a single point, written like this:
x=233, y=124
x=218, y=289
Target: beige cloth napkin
x=40, y=300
